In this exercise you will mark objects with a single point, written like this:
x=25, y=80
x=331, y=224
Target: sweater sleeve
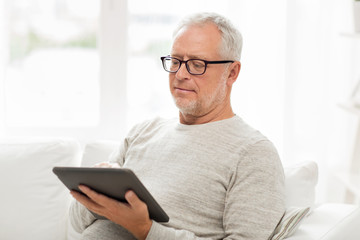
x=80, y=216
x=255, y=197
x=119, y=155
x=254, y=201
x=159, y=231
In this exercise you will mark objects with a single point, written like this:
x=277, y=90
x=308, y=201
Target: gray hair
x=231, y=37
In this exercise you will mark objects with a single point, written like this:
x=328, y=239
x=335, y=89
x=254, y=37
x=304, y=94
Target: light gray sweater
x=220, y=180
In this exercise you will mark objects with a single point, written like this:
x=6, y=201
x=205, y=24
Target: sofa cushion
x=34, y=202
x=289, y=222
x=330, y=221
x=300, y=183
x=98, y=151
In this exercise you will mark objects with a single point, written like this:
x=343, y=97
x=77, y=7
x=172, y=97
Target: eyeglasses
x=194, y=66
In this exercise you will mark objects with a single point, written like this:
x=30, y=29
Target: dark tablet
x=112, y=182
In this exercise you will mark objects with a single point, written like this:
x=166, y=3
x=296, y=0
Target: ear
x=234, y=71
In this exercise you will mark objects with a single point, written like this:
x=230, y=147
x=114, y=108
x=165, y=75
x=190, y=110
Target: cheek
x=171, y=83
x=208, y=85
x=171, y=80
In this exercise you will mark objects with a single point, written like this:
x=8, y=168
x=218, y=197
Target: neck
x=216, y=114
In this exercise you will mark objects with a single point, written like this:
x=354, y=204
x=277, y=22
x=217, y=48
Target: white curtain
x=320, y=74
x=300, y=60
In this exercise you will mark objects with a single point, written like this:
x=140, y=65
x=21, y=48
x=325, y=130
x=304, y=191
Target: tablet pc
x=112, y=182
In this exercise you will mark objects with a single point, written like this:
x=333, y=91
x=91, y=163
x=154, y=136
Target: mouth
x=183, y=90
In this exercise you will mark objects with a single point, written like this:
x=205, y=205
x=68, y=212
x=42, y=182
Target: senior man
x=214, y=175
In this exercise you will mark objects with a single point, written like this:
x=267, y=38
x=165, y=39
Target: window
x=55, y=84
x=52, y=70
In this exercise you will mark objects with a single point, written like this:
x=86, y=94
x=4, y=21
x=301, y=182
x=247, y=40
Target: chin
x=187, y=107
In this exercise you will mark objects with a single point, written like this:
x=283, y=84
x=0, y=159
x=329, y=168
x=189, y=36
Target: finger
x=84, y=200
x=95, y=196
x=115, y=165
x=78, y=195
x=102, y=165
x=100, y=199
x=132, y=199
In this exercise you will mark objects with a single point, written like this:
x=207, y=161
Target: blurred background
x=91, y=70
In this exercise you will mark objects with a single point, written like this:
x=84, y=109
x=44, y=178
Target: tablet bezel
x=112, y=182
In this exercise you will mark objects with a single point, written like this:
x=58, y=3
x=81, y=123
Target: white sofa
x=34, y=203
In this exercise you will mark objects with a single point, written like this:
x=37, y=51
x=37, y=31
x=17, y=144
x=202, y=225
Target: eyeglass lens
x=193, y=66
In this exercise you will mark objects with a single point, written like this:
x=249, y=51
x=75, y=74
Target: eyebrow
x=190, y=56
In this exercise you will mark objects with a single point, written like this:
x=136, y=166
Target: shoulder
x=260, y=164
x=246, y=132
x=140, y=131
x=150, y=125
x=256, y=150
x=262, y=152
x=260, y=161
x=243, y=138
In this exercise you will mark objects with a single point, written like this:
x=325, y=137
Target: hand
x=133, y=216
x=107, y=165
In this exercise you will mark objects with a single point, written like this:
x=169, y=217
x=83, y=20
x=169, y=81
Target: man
x=215, y=176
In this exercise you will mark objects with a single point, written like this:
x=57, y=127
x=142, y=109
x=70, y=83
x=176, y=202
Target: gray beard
x=202, y=106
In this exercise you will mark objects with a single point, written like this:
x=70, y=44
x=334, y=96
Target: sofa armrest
x=330, y=221
x=33, y=201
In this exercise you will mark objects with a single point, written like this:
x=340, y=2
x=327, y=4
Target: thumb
x=132, y=199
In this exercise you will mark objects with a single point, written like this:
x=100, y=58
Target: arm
x=254, y=202
x=132, y=216
x=255, y=197
x=80, y=217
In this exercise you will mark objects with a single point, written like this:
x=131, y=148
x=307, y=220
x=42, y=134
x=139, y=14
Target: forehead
x=201, y=41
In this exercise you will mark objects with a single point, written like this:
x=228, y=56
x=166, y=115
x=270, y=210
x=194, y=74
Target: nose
x=182, y=73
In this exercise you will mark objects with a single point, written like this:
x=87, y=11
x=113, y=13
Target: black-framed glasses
x=194, y=66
